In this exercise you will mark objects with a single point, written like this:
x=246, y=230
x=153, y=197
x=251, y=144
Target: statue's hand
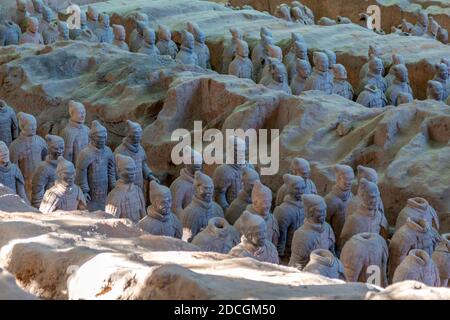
x=87, y=197
x=151, y=177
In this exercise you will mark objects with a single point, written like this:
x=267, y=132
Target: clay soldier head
x=367, y=173
x=83, y=18
x=321, y=62
x=249, y=178
x=376, y=66
x=303, y=68
x=55, y=146
x=401, y=73
x=261, y=198
x=315, y=208
x=119, y=32
x=47, y=14
x=38, y=6
x=149, y=36
x=441, y=72
x=369, y=194
x=164, y=33
x=63, y=30
x=103, y=20
x=297, y=14
x=300, y=50
x=300, y=167
x=4, y=154
x=254, y=229
x=204, y=187
x=274, y=52
x=236, y=34
x=134, y=133
x=264, y=31
x=397, y=59
x=435, y=90
x=422, y=18
x=126, y=168
x=21, y=5
x=65, y=172
x=188, y=41
x=297, y=37
x=331, y=57
x=277, y=72
x=339, y=72
x=27, y=124
x=77, y=112
x=284, y=12
x=196, y=160
x=296, y=186
x=344, y=177
x=92, y=13
x=242, y=49
x=161, y=198
x=33, y=25
x=433, y=28
x=98, y=135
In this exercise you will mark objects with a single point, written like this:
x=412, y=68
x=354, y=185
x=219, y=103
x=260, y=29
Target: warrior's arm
x=111, y=173
x=81, y=175
x=283, y=225
x=220, y=189
x=20, y=187
x=38, y=183
x=14, y=126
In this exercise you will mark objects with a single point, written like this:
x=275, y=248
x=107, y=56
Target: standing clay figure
x=299, y=167
x=186, y=54
x=261, y=204
x=254, y=241
x=435, y=90
x=76, y=133
x=230, y=52
x=433, y=28
x=9, y=33
x=442, y=76
x=45, y=174
x=278, y=77
x=418, y=208
x=442, y=35
x=126, y=200
x=160, y=220
x=29, y=149
x=92, y=18
x=96, y=172
x=308, y=15
x=9, y=128
x=241, y=66
x=302, y=72
x=323, y=262
x=87, y=35
x=51, y=33
x=290, y=213
x=119, y=37
x=65, y=194
x=200, y=48
x=320, y=78
x=400, y=84
x=131, y=147
x=367, y=217
x=76, y=32
x=420, y=28
x=274, y=55
x=372, y=97
x=243, y=199
x=340, y=84
x=300, y=51
x=182, y=188
x=22, y=14
x=165, y=44
x=441, y=257
x=291, y=56
x=418, y=266
x=259, y=53
x=48, y=16
x=374, y=76
x=10, y=174
x=32, y=35
x=414, y=234
x=38, y=7
x=396, y=60
x=373, y=52
x=339, y=198
x=149, y=47
x=103, y=31
x=283, y=11
x=314, y=234
x=218, y=236
x=137, y=35
x=63, y=31
x=361, y=253
x=196, y=215
x=331, y=61
x=228, y=177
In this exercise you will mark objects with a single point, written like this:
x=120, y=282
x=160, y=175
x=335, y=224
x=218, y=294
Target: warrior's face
x=162, y=204
x=344, y=180
x=135, y=137
x=29, y=128
x=99, y=140
x=262, y=205
x=302, y=171
x=78, y=115
x=68, y=178
x=56, y=150
x=318, y=213
x=257, y=237
x=370, y=199
x=296, y=190
x=128, y=174
x=205, y=192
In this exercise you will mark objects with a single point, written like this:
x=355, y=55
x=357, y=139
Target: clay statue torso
x=266, y=253
x=121, y=45
x=217, y=239
x=343, y=88
x=203, y=55
x=161, y=225
x=228, y=178
x=151, y=50
x=126, y=201
x=323, y=262
x=43, y=178
x=167, y=47
x=418, y=266
x=187, y=56
x=10, y=176
x=104, y=34
x=241, y=68
x=282, y=192
x=59, y=197
x=372, y=98
x=9, y=34
x=29, y=37
x=182, y=190
x=320, y=80
x=76, y=138
x=337, y=202
x=441, y=257
x=9, y=127
x=140, y=159
x=238, y=206
x=394, y=90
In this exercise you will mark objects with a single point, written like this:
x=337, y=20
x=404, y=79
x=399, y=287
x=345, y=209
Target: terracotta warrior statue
x=418, y=208
x=63, y=30
x=131, y=147
x=65, y=194
x=324, y=263
x=302, y=73
x=119, y=37
x=274, y=55
x=435, y=90
x=9, y=33
x=241, y=66
x=218, y=236
x=182, y=188
x=22, y=14
x=51, y=33
x=442, y=76
x=259, y=52
x=290, y=213
x=299, y=167
x=196, y=215
x=254, y=241
x=291, y=56
x=229, y=52
x=339, y=197
x=104, y=31
x=278, y=77
x=400, y=84
x=126, y=200
x=361, y=253
x=315, y=233
x=149, y=47
x=442, y=35
x=372, y=97
x=320, y=78
x=331, y=61
x=433, y=29
x=76, y=133
x=76, y=32
x=10, y=174
x=165, y=44
x=45, y=174
x=96, y=172
x=374, y=76
x=418, y=266
x=92, y=18
x=300, y=51
x=32, y=35
x=48, y=17
x=38, y=8
x=372, y=52
x=234, y=211
x=367, y=217
x=308, y=15
x=200, y=48
x=341, y=86
x=137, y=35
x=261, y=205
x=187, y=54
x=441, y=257
x=283, y=11
x=29, y=149
x=421, y=26
x=396, y=60
x=160, y=220
x=414, y=234
x=9, y=128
